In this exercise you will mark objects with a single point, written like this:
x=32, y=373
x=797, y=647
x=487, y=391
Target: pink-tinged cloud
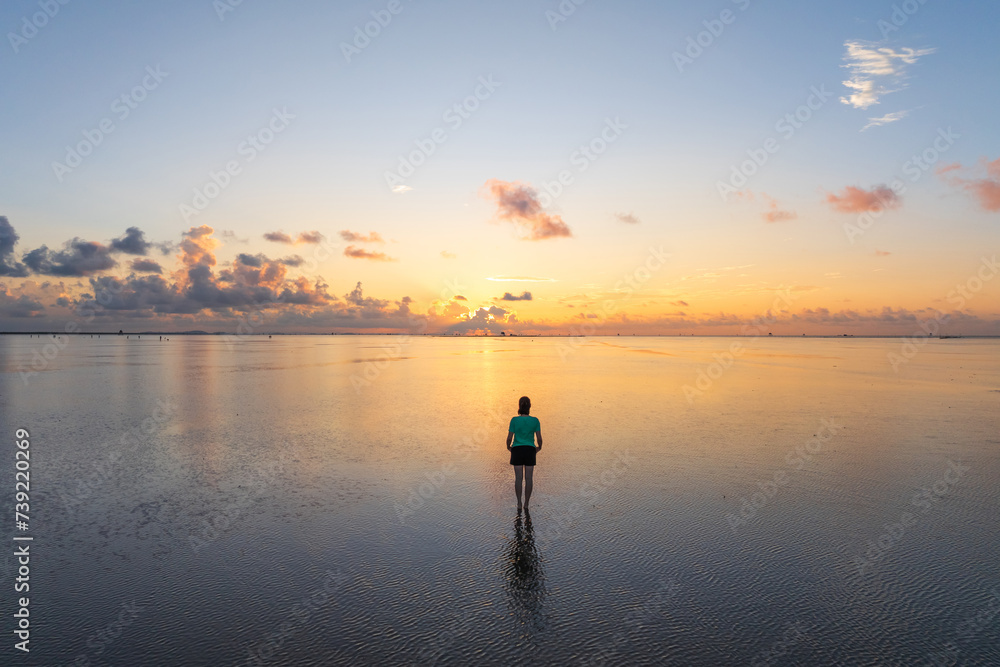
x=882, y=253
x=304, y=237
x=859, y=200
x=774, y=213
x=518, y=203
x=945, y=168
x=986, y=190
x=361, y=253
x=354, y=237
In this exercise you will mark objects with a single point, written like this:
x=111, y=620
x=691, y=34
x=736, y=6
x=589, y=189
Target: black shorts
x=522, y=455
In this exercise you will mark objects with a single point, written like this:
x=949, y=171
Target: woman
x=523, y=431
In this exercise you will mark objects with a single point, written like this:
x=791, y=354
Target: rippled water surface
x=347, y=500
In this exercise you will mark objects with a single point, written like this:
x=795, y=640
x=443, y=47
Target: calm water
x=342, y=500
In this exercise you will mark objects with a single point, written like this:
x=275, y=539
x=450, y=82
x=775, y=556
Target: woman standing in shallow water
x=523, y=431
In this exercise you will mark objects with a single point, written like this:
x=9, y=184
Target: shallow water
x=347, y=500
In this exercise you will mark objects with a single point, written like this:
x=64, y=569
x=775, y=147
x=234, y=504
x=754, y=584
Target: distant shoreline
x=497, y=336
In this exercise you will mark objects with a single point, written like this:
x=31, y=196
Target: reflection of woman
x=524, y=576
x=523, y=431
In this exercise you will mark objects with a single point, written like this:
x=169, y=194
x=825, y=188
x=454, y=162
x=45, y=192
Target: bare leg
x=528, y=471
x=518, y=474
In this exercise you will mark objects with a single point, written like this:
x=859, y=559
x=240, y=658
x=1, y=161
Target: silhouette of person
x=522, y=432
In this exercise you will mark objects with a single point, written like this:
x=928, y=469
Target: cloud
x=882, y=253
x=250, y=281
x=278, y=237
x=886, y=119
x=19, y=306
x=483, y=320
x=256, y=261
x=986, y=189
x=77, y=258
x=876, y=71
x=132, y=243
x=304, y=237
x=859, y=200
x=361, y=253
x=198, y=247
x=354, y=237
x=773, y=213
x=293, y=260
x=507, y=296
x=627, y=217
x=679, y=303
x=230, y=235
x=8, y=239
x=146, y=266
x=448, y=255
x=312, y=238
x=518, y=203
x=401, y=189
x=945, y=168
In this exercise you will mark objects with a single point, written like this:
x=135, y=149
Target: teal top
x=524, y=428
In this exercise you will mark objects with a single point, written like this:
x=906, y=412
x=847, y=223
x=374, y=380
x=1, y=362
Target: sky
x=577, y=167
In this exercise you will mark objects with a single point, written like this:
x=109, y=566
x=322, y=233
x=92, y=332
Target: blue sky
x=224, y=77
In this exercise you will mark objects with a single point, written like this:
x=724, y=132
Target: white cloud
x=876, y=71
x=886, y=119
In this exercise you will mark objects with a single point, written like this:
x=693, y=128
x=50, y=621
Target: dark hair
x=523, y=405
